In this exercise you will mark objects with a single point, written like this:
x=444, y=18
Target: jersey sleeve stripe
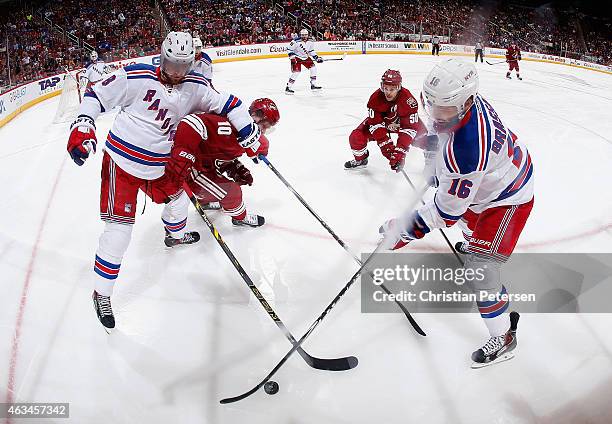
x=151, y=77
x=376, y=127
x=232, y=103
x=519, y=182
x=484, y=134
x=449, y=156
x=196, y=123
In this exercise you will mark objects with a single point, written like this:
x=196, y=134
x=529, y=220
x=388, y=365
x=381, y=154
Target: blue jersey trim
x=466, y=146
x=140, y=67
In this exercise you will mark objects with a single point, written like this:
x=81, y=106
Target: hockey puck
x=271, y=387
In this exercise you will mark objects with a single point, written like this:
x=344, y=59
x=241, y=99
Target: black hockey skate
x=508, y=76
x=462, y=247
x=519, y=78
x=498, y=349
x=250, y=220
x=355, y=164
x=289, y=90
x=188, y=238
x=102, y=305
x=315, y=87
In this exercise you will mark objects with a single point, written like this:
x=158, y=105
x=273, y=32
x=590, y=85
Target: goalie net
x=70, y=99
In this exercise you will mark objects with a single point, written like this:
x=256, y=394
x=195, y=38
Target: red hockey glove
x=236, y=171
x=179, y=164
x=386, y=147
x=397, y=159
x=262, y=150
x=82, y=139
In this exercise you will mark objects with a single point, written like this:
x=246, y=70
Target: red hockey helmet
x=391, y=84
x=264, y=112
x=391, y=77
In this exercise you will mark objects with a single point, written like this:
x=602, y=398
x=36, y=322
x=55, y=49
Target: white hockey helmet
x=449, y=85
x=197, y=43
x=177, y=55
x=304, y=34
x=93, y=55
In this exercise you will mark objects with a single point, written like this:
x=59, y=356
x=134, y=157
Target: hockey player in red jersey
x=513, y=55
x=205, y=155
x=391, y=109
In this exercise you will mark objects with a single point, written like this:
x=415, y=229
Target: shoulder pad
x=375, y=101
x=463, y=154
x=140, y=67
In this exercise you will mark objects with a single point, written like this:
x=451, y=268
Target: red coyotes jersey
x=513, y=53
x=202, y=139
x=399, y=116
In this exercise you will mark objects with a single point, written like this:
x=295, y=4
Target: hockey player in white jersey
x=152, y=101
x=203, y=62
x=96, y=70
x=485, y=182
x=301, y=53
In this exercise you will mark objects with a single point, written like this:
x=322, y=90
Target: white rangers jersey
x=203, y=66
x=480, y=165
x=142, y=134
x=95, y=71
x=302, y=49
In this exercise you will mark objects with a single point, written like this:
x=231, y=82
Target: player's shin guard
x=233, y=204
x=294, y=76
x=112, y=245
x=490, y=293
x=359, y=144
x=313, y=79
x=174, y=215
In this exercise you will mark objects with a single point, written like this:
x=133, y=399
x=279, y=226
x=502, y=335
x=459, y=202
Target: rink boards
x=27, y=95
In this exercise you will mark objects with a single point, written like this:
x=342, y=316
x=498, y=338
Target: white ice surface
x=190, y=332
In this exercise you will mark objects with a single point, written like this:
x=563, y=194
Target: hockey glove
x=397, y=159
x=386, y=147
x=263, y=149
x=82, y=140
x=236, y=171
x=398, y=239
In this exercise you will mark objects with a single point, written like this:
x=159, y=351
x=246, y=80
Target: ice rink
x=190, y=332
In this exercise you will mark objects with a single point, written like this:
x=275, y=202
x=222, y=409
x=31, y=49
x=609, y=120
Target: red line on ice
x=10, y=389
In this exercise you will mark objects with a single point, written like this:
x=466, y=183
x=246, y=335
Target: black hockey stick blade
x=495, y=63
x=336, y=58
x=406, y=312
x=351, y=360
x=336, y=364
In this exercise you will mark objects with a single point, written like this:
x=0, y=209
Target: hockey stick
x=336, y=58
x=383, y=243
x=495, y=63
x=336, y=364
x=265, y=160
x=441, y=231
